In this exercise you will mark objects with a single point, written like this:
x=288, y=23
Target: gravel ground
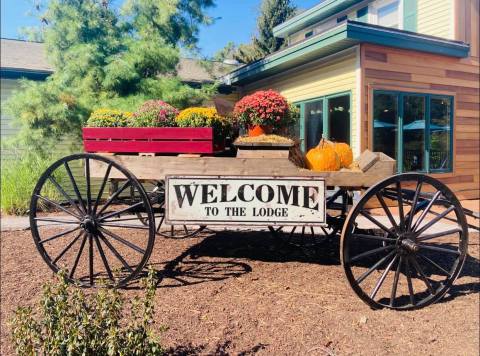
x=247, y=293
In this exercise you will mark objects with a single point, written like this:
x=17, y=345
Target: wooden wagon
x=403, y=237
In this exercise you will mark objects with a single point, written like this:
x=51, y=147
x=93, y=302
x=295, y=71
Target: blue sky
x=236, y=22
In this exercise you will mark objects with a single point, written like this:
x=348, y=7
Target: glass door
x=339, y=118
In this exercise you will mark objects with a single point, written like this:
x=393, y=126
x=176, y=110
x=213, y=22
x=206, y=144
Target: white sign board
x=232, y=200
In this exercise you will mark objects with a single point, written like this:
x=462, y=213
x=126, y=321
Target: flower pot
x=258, y=130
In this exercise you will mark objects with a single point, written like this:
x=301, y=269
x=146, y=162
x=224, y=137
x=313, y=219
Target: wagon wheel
x=404, y=243
x=79, y=228
x=156, y=194
x=308, y=236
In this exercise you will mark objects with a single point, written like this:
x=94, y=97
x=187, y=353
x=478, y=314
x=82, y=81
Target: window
x=387, y=13
x=342, y=18
x=309, y=34
x=328, y=116
x=415, y=129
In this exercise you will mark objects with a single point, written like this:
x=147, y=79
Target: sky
x=235, y=21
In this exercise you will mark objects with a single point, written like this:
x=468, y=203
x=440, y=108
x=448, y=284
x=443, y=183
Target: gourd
x=323, y=158
x=345, y=154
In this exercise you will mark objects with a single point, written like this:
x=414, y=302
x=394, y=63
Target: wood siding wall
x=436, y=18
x=316, y=80
x=394, y=69
x=467, y=24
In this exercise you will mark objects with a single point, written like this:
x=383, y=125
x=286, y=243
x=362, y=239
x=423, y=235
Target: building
x=398, y=76
x=24, y=59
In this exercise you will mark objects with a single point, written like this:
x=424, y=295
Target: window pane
x=388, y=15
x=313, y=123
x=339, y=118
x=385, y=114
x=413, y=133
x=440, y=125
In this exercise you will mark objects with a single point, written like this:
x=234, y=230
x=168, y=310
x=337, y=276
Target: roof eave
x=339, y=38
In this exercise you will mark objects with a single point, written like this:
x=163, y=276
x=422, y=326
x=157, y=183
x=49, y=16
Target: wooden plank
x=149, y=146
x=242, y=153
x=148, y=133
x=388, y=74
x=367, y=159
x=445, y=81
x=156, y=168
x=405, y=69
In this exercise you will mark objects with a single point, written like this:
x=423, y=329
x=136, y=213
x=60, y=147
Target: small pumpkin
x=345, y=154
x=323, y=158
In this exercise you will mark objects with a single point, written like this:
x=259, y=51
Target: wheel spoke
x=64, y=193
x=123, y=241
x=374, y=267
x=423, y=277
x=387, y=211
x=434, y=221
x=58, y=206
x=72, y=272
x=68, y=247
x=438, y=234
x=87, y=178
x=104, y=258
x=382, y=278
x=426, y=210
x=409, y=282
x=125, y=226
x=426, y=259
x=395, y=282
x=56, y=221
x=185, y=229
x=75, y=187
x=102, y=188
x=59, y=235
x=115, y=252
x=159, y=225
x=371, y=252
x=376, y=222
x=414, y=206
x=439, y=249
x=90, y=258
x=373, y=237
x=119, y=212
x=114, y=196
x=400, y=205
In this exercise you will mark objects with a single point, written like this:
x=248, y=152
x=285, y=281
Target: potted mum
x=262, y=112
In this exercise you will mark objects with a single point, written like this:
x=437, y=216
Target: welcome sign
x=234, y=200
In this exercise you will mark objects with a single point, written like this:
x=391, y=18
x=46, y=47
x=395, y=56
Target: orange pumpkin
x=323, y=158
x=345, y=154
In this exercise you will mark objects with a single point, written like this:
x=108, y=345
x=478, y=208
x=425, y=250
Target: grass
x=20, y=172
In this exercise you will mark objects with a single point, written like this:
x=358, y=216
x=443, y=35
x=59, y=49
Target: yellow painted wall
x=317, y=80
x=436, y=18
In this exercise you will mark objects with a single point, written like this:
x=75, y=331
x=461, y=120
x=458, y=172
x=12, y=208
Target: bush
x=69, y=322
x=264, y=107
x=19, y=175
x=154, y=113
x=203, y=117
x=109, y=118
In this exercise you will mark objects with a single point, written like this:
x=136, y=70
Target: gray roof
x=30, y=57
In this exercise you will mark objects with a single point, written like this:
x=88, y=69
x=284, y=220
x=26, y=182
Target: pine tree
x=107, y=58
x=272, y=13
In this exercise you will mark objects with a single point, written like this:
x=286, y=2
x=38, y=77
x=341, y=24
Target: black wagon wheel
x=404, y=243
x=309, y=236
x=82, y=228
x=156, y=193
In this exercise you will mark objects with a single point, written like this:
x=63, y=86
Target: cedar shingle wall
x=394, y=69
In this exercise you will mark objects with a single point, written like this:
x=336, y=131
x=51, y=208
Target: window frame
x=400, y=95
x=325, y=118
x=373, y=11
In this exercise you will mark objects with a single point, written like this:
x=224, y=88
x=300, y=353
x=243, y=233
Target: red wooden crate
x=151, y=140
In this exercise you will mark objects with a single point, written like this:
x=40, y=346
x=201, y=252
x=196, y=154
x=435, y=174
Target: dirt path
x=247, y=293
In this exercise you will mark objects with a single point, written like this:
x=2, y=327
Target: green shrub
x=154, y=113
x=20, y=172
x=69, y=322
x=109, y=118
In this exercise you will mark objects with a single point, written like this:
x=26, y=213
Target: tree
x=108, y=58
x=272, y=13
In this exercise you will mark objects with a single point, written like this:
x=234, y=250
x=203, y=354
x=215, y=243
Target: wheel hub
x=409, y=246
x=89, y=225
